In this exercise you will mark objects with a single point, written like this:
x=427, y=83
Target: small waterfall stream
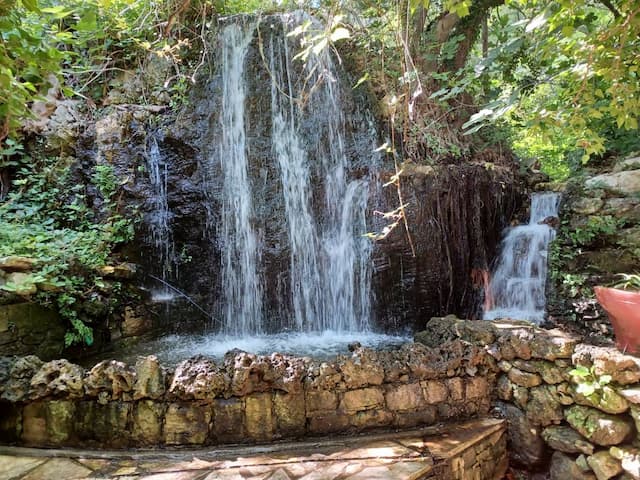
x=241, y=285
x=517, y=288
x=159, y=221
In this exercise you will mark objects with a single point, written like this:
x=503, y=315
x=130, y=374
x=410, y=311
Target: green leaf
x=586, y=389
x=87, y=22
x=31, y=5
x=580, y=371
x=58, y=12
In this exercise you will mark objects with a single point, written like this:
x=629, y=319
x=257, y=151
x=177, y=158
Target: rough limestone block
x=477, y=387
x=60, y=415
x=147, y=422
x=604, y=465
x=105, y=423
x=34, y=424
x=543, y=407
x=599, y=427
x=605, y=399
x=566, y=439
x=427, y=415
x=564, y=467
x=329, y=423
x=362, y=399
x=504, y=388
x=228, y=425
x=371, y=419
x=404, y=398
x=524, y=379
x=150, y=381
x=259, y=421
x=434, y=391
x=320, y=401
x=290, y=413
x=186, y=424
x=10, y=422
x=456, y=388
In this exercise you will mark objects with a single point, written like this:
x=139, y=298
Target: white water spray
x=518, y=283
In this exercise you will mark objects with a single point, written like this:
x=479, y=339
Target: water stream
x=159, y=220
x=327, y=284
x=517, y=286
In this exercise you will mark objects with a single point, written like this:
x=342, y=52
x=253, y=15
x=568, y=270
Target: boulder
x=605, y=399
x=16, y=264
x=58, y=378
x=150, y=379
x=631, y=163
x=604, y=465
x=135, y=322
x=259, y=373
x=627, y=183
x=587, y=205
x=543, y=407
x=623, y=369
x=23, y=283
x=598, y=427
x=18, y=384
x=198, y=378
x=526, y=446
x=524, y=379
x=110, y=380
x=122, y=271
x=566, y=439
x=629, y=458
x=564, y=467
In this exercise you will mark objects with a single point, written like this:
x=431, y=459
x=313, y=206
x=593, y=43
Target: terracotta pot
x=623, y=308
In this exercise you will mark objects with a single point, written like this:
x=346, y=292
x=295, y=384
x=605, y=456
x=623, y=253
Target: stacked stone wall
x=572, y=409
x=244, y=399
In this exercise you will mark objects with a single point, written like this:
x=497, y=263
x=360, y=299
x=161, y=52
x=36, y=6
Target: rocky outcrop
x=599, y=239
x=455, y=217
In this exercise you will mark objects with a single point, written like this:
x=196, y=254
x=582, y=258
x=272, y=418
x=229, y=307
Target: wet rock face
x=455, y=216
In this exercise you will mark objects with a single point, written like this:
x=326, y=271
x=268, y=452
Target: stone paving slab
x=409, y=455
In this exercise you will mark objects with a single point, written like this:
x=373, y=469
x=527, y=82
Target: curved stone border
x=245, y=399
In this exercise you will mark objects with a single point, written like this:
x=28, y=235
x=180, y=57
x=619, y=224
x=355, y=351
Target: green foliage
x=571, y=72
x=596, y=227
x=52, y=224
x=587, y=381
x=629, y=281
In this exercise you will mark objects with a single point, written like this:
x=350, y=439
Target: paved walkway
x=411, y=455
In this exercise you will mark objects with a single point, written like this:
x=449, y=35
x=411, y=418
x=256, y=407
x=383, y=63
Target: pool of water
x=172, y=349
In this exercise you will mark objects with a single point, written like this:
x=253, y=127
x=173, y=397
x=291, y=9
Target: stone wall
x=244, y=399
x=571, y=408
x=27, y=328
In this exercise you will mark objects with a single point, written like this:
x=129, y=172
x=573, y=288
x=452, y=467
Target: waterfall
x=518, y=284
x=241, y=254
x=322, y=205
x=161, y=235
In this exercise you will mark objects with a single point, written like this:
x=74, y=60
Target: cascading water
x=161, y=234
x=242, y=287
x=329, y=269
x=329, y=260
x=289, y=160
x=517, y=288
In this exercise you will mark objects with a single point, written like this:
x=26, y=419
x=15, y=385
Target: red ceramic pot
x=623, y=308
